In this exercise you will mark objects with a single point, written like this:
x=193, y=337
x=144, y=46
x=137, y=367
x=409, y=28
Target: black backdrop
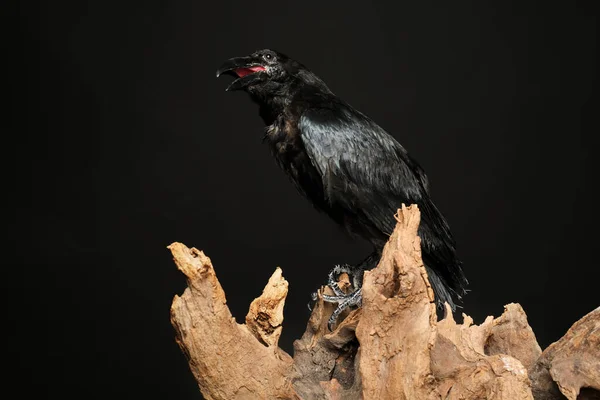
x=122, y=141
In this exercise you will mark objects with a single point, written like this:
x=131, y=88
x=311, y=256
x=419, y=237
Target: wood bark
x=393, y=347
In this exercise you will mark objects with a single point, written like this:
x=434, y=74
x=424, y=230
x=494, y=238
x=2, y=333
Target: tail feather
x=443, y=292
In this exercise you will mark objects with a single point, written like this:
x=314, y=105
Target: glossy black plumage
x=345, y=163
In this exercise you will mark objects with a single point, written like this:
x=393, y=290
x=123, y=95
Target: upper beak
x=234, y=63
x=239, y=67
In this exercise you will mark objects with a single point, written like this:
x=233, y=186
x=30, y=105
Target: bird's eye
x=268, y=57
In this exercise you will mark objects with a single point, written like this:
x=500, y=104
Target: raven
x=347, y=166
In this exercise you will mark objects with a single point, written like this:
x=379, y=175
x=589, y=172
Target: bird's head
x=264, y=70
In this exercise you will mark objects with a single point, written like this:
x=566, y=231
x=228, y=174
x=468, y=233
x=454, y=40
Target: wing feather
x=362, y=166
x=369, y=174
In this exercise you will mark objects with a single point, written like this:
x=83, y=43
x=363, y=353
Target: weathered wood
x=571, y=363
x=393, y=347
x=229, y=360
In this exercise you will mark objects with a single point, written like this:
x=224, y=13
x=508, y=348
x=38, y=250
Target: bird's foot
x=345, y=299
x=354, y=282
x=340, y=287
x=344, y=302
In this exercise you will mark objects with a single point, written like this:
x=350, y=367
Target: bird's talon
x=353, y=299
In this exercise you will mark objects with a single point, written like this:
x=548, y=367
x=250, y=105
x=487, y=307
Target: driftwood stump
x=393, y=347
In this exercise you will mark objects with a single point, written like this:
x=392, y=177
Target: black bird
x=347, y=166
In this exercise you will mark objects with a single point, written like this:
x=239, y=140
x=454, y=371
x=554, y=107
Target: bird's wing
x=363, y=168
x=366, y=172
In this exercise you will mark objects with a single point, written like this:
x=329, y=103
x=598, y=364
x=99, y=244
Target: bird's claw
x=344, y=302
x=313, y=299
x=333, y=276
x=343, y=299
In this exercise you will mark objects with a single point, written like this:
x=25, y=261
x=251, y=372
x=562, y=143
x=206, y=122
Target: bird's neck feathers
x=272, y=96
x=271, y=104
x=313, y=81
x=275, y=98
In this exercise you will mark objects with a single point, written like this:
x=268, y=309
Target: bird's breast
x=284, y=139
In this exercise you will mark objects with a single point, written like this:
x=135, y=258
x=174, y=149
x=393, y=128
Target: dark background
x=120, y=140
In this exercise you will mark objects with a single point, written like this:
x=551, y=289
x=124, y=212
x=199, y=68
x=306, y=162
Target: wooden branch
x=393, y=347
x=229, y=360
x=571, y=363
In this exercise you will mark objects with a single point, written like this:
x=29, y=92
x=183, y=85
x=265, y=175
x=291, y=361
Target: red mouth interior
x=242, y=72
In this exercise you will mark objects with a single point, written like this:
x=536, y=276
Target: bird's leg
x=344, y=300
x=340, y=295
x=334, y=275
x=351, y=299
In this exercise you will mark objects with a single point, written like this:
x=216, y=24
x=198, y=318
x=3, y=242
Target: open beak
x=245, y=69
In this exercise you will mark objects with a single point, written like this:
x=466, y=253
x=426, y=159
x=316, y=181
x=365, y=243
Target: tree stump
x=393, y=347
